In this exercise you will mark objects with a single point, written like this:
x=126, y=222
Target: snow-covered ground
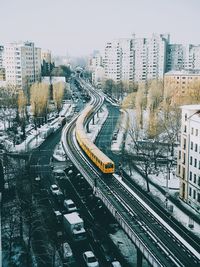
x=171, y=185
x=95, y=128
x=36, y=137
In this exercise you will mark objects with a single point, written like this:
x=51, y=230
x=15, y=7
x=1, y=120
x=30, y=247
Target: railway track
x=167, y=247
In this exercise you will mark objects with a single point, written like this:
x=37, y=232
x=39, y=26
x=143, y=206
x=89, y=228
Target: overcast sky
x=77, y=27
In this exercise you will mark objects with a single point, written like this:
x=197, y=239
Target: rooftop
x=182, y=72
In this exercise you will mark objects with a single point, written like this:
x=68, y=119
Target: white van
x=69, y=205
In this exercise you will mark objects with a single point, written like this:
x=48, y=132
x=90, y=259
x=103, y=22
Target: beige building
x=188, y=167
x=181, y=85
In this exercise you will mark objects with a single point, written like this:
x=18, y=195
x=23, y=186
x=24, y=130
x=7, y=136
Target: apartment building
x=112, y=61
x=1, y=56
x=175, y=57
x=95, y=61
x=188, y=167
x=2, y=69
x=136, y=59
x=22, y=62
x=150, y=57
x=181, y=84
x=98, y=76
x=46, y=61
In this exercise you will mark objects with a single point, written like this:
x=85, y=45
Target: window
x=195, y=178
x=196, y=132
x=184, y=143
x=183, y=170
x=199, y=181
x=194, y=194
x=190, y=176
x=185, y=129
x=192, y=131
x=196, y=147
x=190, y=191
x=198, y=197
x=183, y=158
x=190, y=160
x=195, y=162
x=191, y=146
x=179, y=169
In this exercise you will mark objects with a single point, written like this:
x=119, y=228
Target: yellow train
x=105, y=164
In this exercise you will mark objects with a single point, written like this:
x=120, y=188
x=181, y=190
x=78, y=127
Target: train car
x=105, y=164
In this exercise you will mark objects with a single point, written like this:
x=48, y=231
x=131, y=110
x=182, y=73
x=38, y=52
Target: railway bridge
x=157, y=238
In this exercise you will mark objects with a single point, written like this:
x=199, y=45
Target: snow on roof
x=191, y=107
x=73, y=218
x=182, y=72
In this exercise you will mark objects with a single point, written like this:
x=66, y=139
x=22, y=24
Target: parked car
x=59, y=174
x=58, y=216
x=69, y=205
x=54, y=189
x=115, y=264
x=67, y=254
x=89, y=259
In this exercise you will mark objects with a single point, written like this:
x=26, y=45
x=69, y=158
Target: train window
x=109, y=165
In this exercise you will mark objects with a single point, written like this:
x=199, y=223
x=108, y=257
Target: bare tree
x=140, y=104
x=58, y=93
x=155, y=96
x=39, y=101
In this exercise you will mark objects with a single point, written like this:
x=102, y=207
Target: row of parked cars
x=73, y=225
x=69, y=219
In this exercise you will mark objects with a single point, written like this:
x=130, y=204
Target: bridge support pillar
x=139, y=258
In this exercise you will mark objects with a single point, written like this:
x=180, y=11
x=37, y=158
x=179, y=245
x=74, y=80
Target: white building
x=22, y=62
x=136, y=59
x=119, y=60
x=150, y=57
x=188, y=168
x=1, y=56
x=98, y=76
x=95, y=61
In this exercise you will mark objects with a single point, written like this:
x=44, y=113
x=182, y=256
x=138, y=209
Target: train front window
x=109, y=165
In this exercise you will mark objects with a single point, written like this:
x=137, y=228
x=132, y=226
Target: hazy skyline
x=78, y=27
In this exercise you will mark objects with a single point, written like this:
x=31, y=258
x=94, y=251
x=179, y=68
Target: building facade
x=150, y=57
x=188, y=167
x=47, y=64
x=175, y=57
x=98, y=77
x=182, y=84
x=136, y=59
x=22, y=62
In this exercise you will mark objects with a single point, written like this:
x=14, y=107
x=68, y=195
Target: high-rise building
x=150, y=57
x=95, y=61
x=175, y=57
x=1, y=56
x=136, y=59
x=189, y=156
x=22, y=62
x=112, y=62
x=47, y=64
x=119, y=60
